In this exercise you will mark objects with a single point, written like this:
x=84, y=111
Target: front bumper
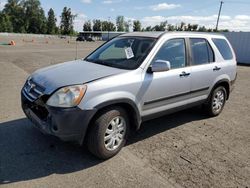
x=69, y=124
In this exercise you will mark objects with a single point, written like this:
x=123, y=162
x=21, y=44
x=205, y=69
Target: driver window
x=173, y=51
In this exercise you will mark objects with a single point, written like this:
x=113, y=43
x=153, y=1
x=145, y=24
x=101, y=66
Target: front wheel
x=108, y=133
x=216, y=102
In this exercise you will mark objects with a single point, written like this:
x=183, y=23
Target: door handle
x=184, y=74
x=216, y=68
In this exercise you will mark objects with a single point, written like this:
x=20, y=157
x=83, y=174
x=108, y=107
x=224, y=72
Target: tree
x=87, y=26
x=97, y=25
x=171, y=27
x=189, y=27
x=5, y=23
x=209, y=30
x=224, y=30
x=108, y=26
x=34, y=17
x=51, y=23
x=161, y=27
x=67, y=21
x=181, y=27
x=127, y=25
x=149, y=28
x=137, y=25
x=156, y=28
x=105, y=25
x=120, y=23
x=111, y=26
x=195, y=27
x=13, y=9
x=202, y=29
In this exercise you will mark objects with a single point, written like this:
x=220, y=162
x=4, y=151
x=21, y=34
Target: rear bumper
x=232, y=83
x=69, y=124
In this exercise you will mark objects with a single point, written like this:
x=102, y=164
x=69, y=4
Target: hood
x=71, y=73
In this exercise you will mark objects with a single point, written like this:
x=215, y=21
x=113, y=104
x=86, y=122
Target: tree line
x=125, y=26
x=27, y=16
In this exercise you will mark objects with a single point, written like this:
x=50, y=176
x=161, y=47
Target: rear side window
x=202, y=52
x=224, y=48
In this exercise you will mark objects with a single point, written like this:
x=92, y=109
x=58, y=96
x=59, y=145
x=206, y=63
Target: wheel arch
x=127, y=104
x=223, y=82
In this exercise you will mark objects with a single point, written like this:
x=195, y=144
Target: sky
x=235, y=14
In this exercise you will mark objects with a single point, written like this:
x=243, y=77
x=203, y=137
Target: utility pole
x=76, y=50
x=108, y=26
x=218, y=19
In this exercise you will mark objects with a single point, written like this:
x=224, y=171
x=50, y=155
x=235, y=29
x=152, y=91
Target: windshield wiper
x=88, y=60
x=98, y=61
x=105, y=63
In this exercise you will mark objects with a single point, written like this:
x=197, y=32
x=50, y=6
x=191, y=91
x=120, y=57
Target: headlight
x=68, y=96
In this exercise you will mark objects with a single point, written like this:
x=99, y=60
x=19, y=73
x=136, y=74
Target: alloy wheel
x=115, y=133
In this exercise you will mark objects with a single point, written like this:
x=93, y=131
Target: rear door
x=168, y=89
x=202, y=65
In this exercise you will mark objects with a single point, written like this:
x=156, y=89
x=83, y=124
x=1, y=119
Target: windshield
x=123, y=52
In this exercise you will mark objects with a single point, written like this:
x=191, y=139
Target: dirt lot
x=185, y=149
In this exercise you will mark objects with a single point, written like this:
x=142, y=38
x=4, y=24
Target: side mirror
x=159, y=66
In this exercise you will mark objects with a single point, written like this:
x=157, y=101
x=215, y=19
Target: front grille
x=32, y=90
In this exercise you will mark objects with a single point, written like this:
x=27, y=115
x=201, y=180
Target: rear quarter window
x=223, y=48
x=201, y=51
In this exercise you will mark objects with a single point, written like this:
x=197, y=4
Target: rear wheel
x=108, y=133
x=216, y=102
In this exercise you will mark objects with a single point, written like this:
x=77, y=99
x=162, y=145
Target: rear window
x=224, y=48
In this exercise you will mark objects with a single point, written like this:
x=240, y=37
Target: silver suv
x=129, y=79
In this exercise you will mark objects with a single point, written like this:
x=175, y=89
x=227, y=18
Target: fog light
x=55, y=128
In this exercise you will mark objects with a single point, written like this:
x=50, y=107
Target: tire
x=216, y=101
x=108, y=133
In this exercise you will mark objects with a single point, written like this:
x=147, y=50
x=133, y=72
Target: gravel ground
x=185, y=149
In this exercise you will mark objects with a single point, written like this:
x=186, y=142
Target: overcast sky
x=235, y=14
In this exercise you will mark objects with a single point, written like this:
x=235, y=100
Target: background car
x=80, y=38
x=90, y=39
x=62, y=37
